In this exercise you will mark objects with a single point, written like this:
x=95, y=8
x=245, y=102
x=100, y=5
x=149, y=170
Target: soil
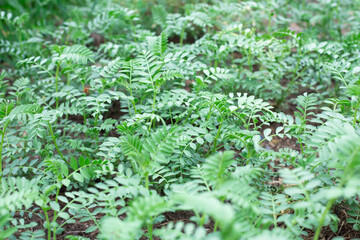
x=97, y=39
x=78, y=229
x=345, y=230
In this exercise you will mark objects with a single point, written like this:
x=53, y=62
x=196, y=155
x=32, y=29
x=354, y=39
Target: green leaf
x=55, y=206
x=222, y=212
x=7, y=232
x=356, y=70
x=293, y=191
x=64, y=215
x=267, y=132
x=356, y=227
x=353, y=90
x=85, y=173
x=215, y=167
x=209, y=138
x=91, y=229
x=64, y=170
x=278, y=129
x=73, y=163
x=4, y=219
x=200, y=140
x=63, y=199
x=187, y=153
x=233, y=108
x=66, y=182
x=78, y=177
x=81, y=161
x=77, y=53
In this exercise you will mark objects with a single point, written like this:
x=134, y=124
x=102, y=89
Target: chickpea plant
x=164, y=120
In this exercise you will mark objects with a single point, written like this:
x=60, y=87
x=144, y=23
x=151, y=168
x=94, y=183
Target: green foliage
x=179, y=119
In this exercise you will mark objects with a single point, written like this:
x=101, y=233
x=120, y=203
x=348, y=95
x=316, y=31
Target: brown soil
x=345, y=229
x=79, y=228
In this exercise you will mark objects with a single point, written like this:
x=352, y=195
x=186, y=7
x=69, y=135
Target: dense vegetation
x=179, y=119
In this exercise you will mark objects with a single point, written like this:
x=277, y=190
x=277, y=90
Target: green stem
x=153, y=86
x=1, y=145
x=57, y=83
x=322, y=219
x=202, y=220
x=355, y=114
x=147, y=181
x=43, y=68
x=217, y=221
x=347, y=174
x=217, y=136
x=216, y=225
x=250, y=117
x=241, y=118
x=269, y=22
x=150, y=229
x=64, y=129
x=246, y=146
x=274, y=214
x=218, y=132
x=249, y=60
x=170, y=116
x=20, y=40
x=182, y=34
x=68, y=79
x=96, y=120
x=154, y=101
x=48, y=223
x=209, y=114
x=301, y=145
x=54, y=234
x=84, y=117
x=55, y=213
x=129, y=87
x=54, y=140
x=93, y=218
x=187, y=117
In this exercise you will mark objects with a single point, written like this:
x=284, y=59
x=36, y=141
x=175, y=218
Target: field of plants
x=187, y=120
